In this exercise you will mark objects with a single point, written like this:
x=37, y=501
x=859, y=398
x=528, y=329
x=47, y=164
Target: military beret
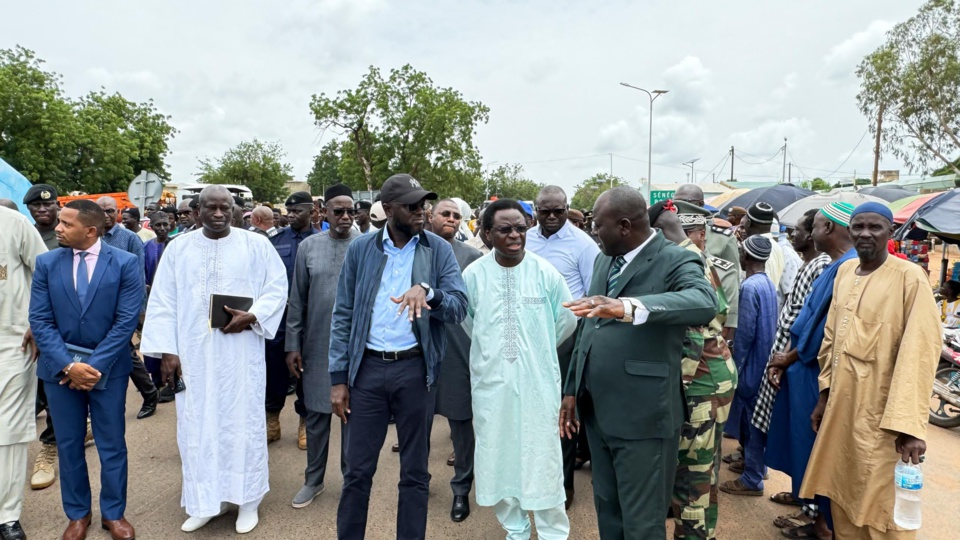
x=299, y=197
x=40, y=192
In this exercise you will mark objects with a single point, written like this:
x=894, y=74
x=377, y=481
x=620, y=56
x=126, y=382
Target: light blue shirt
x=569, y=250
x=389, y=332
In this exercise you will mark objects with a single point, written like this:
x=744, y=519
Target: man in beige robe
x=880, y=350
x=20, y=244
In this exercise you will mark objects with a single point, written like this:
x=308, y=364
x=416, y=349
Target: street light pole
x=653, y=96
x=693, y=174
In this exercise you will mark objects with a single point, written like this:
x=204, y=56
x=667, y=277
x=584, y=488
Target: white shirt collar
x=636, y=251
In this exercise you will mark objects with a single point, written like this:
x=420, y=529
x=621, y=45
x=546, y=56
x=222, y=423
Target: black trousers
x=568, y=447
x=140, y=377
x=278, y=375
x=318, y=448
x=380, y=389
x=464, y=443
x=47, y=436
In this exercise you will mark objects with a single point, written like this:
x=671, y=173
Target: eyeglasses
x=448, y=213
x=340, y=211
x=417, y=206
x=546, y=212
x=184, y=212
x=521, y=229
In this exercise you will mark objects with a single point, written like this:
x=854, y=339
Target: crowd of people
x=629, y=336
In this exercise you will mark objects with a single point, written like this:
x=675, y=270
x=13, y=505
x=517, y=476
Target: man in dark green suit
x=625, y=377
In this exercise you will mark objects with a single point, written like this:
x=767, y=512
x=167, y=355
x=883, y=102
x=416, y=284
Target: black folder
x=219, y=317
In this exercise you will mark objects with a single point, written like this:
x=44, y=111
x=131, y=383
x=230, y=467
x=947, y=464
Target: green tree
x=405, y=123
x=817, y=184
x=508, y=182
x=326, y=168
x=255, y=164
x=912, y=84
x=95, y=144
x=586, y=192
x=37, y=124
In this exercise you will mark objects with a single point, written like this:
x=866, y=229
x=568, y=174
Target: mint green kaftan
x=517, y=319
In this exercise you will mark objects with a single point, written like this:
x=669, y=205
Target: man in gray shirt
x=313, y=292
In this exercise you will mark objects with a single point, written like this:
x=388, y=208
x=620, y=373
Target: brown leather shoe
x=120, y=529
x=77, y=529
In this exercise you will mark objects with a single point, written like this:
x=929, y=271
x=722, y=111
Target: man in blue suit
x=87, y=297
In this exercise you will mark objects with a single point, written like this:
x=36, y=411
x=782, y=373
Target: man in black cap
x=759, y=219
x=41, y=200
x=300, y=211
x=363, y=216
x=396, y=290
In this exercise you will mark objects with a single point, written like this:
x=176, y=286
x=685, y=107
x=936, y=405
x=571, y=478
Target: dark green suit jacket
x=634, y=371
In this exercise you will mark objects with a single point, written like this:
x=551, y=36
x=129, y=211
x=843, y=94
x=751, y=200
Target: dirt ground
x=154, y=492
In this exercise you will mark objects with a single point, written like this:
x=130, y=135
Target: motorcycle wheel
x=944, y=414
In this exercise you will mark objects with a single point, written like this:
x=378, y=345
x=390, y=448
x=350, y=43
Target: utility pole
x=784, y=175
x=790, y=173
x=731, y=163
x=876, y=147
x=653, y=96
x=611, y=169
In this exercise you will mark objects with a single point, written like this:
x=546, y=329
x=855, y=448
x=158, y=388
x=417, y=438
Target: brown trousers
x=844, y=529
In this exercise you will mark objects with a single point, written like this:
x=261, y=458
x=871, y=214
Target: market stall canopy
x=790, y=215
x=938, y=216
x=888, y=193
x=779, y=197
x=904, y=209
x=720, y=201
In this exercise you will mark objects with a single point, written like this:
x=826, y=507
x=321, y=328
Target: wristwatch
x=628, y=309
x=426, y=287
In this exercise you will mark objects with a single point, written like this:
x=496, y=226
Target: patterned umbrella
x=779, y=197
x=790, y=215
x=904, y=209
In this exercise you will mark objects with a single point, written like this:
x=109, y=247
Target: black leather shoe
x=149, y=405
x=167, y=395
x=12, y=531
x=461, y=508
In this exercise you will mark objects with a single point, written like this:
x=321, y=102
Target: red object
x=892, y=249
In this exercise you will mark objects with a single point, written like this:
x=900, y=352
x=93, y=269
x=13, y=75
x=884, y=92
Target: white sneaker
x=247, y=520
x=194, y=523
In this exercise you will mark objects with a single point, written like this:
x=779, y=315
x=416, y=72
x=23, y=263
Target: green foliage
x=96, y=144
x=508, y=182
x=913, y=82
x=404, y=123
x=817, y=184
x=254, y=164
x=326, y=169
x=586, y=192
x=947, y=169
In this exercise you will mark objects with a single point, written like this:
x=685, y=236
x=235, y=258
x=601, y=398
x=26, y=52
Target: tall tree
x=38, y=129
x=912, y=85
x=587, y=192
x=508, y=182
x=405, y=123
x=326, y=168
x=257, y=165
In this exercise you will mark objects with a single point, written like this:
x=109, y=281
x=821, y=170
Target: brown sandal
x=792, y=520
x=785, y=497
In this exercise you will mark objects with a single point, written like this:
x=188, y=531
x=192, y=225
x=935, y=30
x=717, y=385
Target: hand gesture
x=295, y=363
x=910, y=448
x=82, y=377
x=596, y=306
x=340, y=399
x=774, y=375
x=29, y=342
x=241, y=321
x=412, y=301
x=169, y=369
x=569, y=425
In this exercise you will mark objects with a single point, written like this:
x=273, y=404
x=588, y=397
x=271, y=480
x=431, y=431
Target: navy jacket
x=433, y=263
x=104, y=324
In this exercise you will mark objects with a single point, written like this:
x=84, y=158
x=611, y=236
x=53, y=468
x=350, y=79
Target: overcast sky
x=742, y=72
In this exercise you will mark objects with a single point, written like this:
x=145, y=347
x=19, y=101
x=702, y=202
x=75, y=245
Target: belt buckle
x=395, y=354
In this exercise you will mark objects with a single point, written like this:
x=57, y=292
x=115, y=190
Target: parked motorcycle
x=945, y=402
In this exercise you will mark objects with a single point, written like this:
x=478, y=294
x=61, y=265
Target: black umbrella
x=939, y=217
x=779, y=197
x=888, y=193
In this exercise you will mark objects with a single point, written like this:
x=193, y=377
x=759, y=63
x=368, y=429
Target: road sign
x=146, y=188
x=660, y=195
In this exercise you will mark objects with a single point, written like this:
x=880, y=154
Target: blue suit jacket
x=103, y=324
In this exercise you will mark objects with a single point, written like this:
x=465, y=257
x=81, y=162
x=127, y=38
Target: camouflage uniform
x=709, y=381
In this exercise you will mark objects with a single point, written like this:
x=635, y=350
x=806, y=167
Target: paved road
x=154, y=492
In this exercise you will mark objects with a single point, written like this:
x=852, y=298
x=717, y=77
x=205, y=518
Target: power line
x=771, y=158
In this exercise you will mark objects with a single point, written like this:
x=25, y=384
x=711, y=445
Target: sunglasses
x=546, y=212
x=448, y=213
x=417, y=206
x=521, y=229
x=184, y=212
x=340, y=211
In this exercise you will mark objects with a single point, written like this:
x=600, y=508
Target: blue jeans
x=754, y=444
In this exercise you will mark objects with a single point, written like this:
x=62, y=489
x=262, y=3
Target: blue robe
x=790, y=438
x=756, y=330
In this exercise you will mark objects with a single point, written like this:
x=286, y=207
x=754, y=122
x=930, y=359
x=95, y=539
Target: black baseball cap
x=404, y=189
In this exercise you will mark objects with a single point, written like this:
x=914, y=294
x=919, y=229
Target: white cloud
x=842, y=60
x=690, y=86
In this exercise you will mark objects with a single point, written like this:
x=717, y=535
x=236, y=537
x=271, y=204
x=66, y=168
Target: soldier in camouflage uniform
x=709, y=381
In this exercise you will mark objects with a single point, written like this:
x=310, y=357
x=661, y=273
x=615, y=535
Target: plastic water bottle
x=908, y=479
